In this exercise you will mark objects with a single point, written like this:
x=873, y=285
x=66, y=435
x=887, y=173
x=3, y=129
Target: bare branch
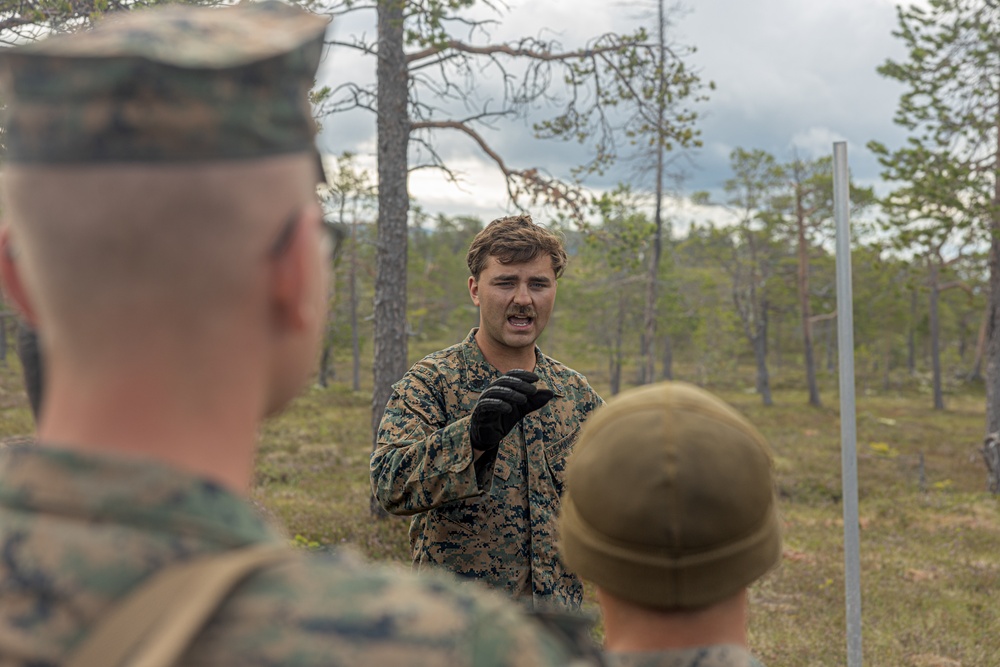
x=349, y=8
x=540, y=52
x=346, y=97
x=820, y=318
x=475, y=136
x=521, y=183
x=356, y=45
x=433, y=63
x=956, y=284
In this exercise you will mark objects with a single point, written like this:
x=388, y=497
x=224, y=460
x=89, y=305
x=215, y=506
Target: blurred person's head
x=162, y=233
x=670, y=511
x=159, y=193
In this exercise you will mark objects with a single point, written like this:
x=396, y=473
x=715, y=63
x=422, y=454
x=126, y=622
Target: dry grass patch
x=930, y=535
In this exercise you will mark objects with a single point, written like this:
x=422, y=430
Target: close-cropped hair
x=514, y=240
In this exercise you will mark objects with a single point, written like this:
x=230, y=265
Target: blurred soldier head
x=162, y=230
x=670, y=510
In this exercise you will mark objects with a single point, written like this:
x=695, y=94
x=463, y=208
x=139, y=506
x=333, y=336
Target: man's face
x=515, y=300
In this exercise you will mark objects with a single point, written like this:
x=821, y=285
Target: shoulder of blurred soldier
x=321, y=605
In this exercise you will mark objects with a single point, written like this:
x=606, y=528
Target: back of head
x=669, y=499
x=150, y=161
x=513, y=240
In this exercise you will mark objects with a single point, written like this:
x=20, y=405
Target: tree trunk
x=831, y=345
x=993, y=335
x=649, y=328
x=393, y=204
x=886, y=379
x=758, y=340
x=963, y=337
x=911, y=338
x=935, y=295
x=804, y=308
x=667, y=373
x=353, y=287
x=777, y=346
x=615, y=371
x=993, y=328
x=760, y=354
x=324, y=365
x=616, y=350
x=976, y=374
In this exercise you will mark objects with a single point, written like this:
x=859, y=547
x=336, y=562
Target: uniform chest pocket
x=465, y=516
x=555, y=458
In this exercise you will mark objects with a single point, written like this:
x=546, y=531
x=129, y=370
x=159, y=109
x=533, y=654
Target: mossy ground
x=930, y=534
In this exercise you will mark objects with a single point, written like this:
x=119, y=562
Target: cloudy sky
x=791, y=76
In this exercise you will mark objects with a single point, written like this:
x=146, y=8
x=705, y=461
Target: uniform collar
x=479, y=372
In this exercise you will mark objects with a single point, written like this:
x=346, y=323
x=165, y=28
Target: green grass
x=930, y=535
x=930, y=539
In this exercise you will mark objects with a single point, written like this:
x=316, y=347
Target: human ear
x=474, y=290
x=290, y=289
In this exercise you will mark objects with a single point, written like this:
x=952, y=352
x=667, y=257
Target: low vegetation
x=930, y=534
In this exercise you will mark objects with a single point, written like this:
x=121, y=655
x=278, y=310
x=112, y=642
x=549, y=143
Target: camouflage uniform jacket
x=723, y=655
x=78, y=532
x=495, y=520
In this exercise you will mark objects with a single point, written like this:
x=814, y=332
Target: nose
x=522, y=295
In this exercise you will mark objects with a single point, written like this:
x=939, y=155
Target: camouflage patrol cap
x=170, y=84
x=669, y=499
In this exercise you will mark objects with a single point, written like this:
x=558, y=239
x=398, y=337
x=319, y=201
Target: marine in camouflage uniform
x=80, y=532
x=133, y=474
x=490, y=519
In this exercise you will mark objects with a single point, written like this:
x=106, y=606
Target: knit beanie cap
x=669, y=499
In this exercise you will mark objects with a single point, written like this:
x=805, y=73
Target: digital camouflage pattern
x=78, y=532
x=494, y=521
x=723, y=655
x=173, y=83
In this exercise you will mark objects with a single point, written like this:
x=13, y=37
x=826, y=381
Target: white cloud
x=790, y=74
x=480, y=192
x=815, y=142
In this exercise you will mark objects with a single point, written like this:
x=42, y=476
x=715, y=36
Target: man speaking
x=475, y=437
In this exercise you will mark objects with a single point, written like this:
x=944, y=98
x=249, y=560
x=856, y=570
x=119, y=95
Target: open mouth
x=520, y=321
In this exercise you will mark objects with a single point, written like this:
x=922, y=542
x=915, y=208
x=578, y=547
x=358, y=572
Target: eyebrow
x=514, y=276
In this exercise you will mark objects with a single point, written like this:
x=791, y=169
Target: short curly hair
x=512, y=240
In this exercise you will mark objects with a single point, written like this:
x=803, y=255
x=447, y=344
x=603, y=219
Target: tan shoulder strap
x=155, y=624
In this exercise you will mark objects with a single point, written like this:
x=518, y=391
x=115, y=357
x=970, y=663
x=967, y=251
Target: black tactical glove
x=502, y=405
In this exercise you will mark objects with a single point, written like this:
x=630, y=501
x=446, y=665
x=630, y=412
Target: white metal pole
x=848, y=425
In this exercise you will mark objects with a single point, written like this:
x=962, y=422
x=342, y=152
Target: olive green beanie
x=669, y=499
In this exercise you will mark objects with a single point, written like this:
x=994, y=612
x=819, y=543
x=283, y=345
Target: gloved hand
x=502, y=405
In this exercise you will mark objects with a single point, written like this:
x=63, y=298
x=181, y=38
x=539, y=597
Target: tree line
x=943, y=214
x=636, y=96
x=737, y=298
